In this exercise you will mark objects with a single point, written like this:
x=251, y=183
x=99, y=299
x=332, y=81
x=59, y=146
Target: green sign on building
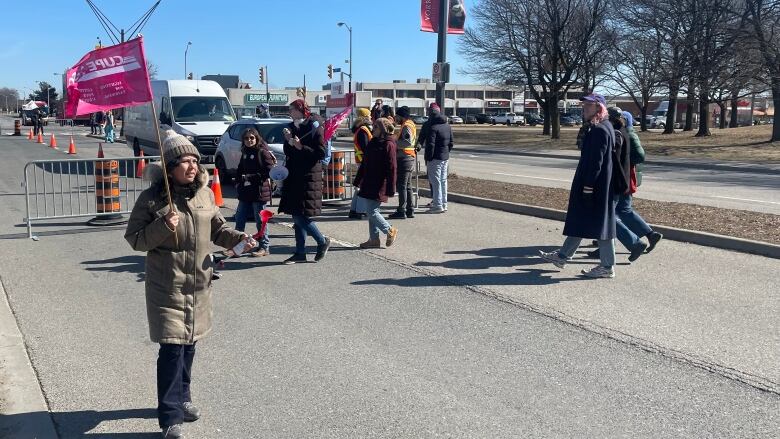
x=259, y=98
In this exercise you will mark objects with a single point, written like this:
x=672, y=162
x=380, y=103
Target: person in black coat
x=591, y=212
x=437, y=155
x=253, y=185
x=304, y=148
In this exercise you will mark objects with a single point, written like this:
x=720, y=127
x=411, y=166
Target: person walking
x=253, y=184
x=38, y=121
x=405, y=158
x=304, y=149
x=100, y=117
x=109, y=126
x=92, y=124
x=376, y=179
x=437, y=154
x=591, y=213
x=630, y=226
x=179, y=270
x=361, y=135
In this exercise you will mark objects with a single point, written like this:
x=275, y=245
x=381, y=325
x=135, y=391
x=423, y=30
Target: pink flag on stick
x=107, y=78
x=333, y=123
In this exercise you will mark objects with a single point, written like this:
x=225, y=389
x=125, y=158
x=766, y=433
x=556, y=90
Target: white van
x=198, y=110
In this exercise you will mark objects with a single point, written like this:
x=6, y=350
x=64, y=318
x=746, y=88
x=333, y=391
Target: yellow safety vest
x=358, y=149
x=409, y=150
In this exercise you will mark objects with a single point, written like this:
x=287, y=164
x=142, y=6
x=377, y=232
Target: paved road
x=457, y=331
x=744, y=190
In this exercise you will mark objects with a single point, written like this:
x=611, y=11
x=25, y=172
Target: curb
x=673, y=233
x=25, y=412
x=757, y=169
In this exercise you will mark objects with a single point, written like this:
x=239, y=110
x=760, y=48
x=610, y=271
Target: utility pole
x=441, y=51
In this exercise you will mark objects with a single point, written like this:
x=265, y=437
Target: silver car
x=229, y=150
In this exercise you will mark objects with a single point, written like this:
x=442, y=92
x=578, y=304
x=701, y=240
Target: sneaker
x=260, y=253
x=554, y=258
x=637, y=251
x=436, y=209
x=371, y=243
x=594, y=254
x=653, y=238
x=173, y=432
x=322, y=250
x=397, y=215
x=391, y=235
x=598, y=272
x=295, y=258
x=191, y=412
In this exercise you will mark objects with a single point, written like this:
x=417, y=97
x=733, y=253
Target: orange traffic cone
x=100, y=151
x=216, y=187
x=40, y=137
x=53, y=142
x=30, y=136
x=72, y=146
x=139, y=169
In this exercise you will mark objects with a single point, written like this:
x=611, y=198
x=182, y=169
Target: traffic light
x=330, y=71
x=261, y=72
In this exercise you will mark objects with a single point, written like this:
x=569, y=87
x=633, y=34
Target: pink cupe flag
x=333, y=123
x=107, y=78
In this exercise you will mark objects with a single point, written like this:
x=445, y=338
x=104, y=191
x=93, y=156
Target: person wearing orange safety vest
x=361, y=130
x=405, y=158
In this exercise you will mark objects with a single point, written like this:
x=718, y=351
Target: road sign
x=441, y=72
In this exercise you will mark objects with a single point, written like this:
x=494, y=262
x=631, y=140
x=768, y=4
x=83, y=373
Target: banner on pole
x=429, y=16
x=107, y=78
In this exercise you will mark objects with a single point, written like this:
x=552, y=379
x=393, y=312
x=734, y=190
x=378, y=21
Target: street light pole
x=189, y=43
x=350, y=60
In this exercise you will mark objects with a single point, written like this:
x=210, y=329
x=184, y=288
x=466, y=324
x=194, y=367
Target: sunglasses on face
x=250, y=138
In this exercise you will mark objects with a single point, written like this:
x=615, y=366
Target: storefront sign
x=259, y=98
x=497, y=104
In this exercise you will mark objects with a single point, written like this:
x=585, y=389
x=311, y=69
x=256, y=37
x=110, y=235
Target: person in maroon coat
x=376, y=178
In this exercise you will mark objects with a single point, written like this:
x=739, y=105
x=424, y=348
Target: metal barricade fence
x=67, y=188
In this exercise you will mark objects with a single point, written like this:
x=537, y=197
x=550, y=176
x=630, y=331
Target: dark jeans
x=246, y=209
x=630, y=226
x=404, y=184
x=38, y=128
x=174, y=366
x=305, y=226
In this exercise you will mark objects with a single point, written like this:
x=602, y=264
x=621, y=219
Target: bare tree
x=152, y=69
x=763, y=18
x=543, y=44
x=9, y=98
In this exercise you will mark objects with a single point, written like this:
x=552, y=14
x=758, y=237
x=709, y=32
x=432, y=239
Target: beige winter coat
x=178, y=279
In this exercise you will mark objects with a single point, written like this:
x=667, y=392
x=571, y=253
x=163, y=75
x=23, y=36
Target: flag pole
x=164, y=167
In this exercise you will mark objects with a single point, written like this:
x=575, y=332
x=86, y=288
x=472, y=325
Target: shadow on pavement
x=492, y=257
x=522, y=277
x=122, y=264
x=78, y=424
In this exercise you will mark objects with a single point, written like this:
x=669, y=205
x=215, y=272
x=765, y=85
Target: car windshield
x=272, y=132
x=202, y=109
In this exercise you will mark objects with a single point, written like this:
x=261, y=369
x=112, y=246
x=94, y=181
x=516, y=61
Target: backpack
x=620, y=182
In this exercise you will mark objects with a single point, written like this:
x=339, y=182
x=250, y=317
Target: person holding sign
x=174, y=221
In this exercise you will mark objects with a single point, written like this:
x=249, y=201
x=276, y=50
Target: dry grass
x=730, y=222
x=747, y=144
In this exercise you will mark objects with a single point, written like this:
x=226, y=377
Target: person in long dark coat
x=304, y=148
x=253, y=185
x=591, y=212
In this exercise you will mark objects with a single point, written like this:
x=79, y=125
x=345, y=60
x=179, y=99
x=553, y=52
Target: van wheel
x=136, y=147
x=224, y=176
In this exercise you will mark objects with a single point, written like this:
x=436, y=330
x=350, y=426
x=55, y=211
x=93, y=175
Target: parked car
x=471, y=119
x=455, y=119
x=508, y=119
x=482, y=118
x=419, y=120
x=568, y=121
x=229, y=149
x=533, y=119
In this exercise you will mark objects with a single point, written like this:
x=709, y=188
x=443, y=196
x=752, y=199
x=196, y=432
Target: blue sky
x=292, y=37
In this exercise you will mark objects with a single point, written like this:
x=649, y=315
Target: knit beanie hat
x=175, y=145
x=614, y=113
x=363, y=112
x=404, y=112
x=386, y=125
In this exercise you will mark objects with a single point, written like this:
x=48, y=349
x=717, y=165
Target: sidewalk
x=712, y=308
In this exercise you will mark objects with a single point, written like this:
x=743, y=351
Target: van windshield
x=202, y=109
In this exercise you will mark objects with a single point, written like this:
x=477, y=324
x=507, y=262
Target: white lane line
x=745, y=199
x=528, y=176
